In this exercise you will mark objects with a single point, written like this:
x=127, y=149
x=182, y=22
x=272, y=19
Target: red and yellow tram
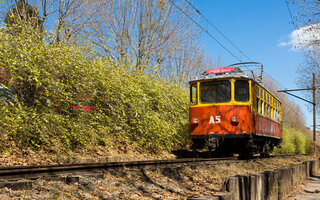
x=232, y=112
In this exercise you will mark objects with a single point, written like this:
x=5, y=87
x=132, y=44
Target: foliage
x=35, y=67
x=294, y=142
x=153, y=35
x=23, y=13
x=133, y=110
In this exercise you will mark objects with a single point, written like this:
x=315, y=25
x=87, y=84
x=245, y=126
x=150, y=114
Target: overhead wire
x=219, y=33
x=296, y=28
x=274, y=80
x=225, y=48
x=223, y=35
x=294, y=24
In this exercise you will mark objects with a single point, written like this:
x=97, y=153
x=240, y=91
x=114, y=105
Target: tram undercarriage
x=244, y=145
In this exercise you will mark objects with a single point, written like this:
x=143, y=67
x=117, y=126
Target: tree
x=307, y=12
x=292, y=115
x=63, y=19
x=184, y=63
x=218, y=62
x=306, y=38
x=71, y=19
x=152, y=34
x=22, y=13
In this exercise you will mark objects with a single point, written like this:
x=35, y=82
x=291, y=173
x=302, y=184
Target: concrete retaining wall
x=268, y=185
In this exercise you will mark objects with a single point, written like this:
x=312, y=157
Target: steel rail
x=38, y=171
x=20, y=172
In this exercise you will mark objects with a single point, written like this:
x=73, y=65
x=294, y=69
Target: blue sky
x=257, y=28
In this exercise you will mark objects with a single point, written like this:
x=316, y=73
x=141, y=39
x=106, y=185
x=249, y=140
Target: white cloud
x=306, y=38
x=283, y=44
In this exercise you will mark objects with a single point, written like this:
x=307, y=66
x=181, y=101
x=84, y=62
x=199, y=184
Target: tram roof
x=236, y=75
x=224, y=76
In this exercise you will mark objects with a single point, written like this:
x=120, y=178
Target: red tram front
x=232, y=112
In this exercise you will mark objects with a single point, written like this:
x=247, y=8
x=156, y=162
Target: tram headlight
x=195, y=121
x=234, y=119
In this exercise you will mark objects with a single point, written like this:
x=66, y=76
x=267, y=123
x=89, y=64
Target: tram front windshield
x=215, y=91
x=241, y=90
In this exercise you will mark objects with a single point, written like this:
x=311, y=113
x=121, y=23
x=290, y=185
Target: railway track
x=114, y=179
x=34, y=172
x=38, y=171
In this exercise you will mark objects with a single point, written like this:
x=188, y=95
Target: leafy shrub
x=133, y=109
x=294, y=142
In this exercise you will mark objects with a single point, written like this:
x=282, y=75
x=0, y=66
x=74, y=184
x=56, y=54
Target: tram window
x=267, y=98
x=258, y=106
x=262, y=108
x=241, y=90
x=215, y=92
x=193, y=94
x=258, y=91
x=274, y=103
x=272, y=113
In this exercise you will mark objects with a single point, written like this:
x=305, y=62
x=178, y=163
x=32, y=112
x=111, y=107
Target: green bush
x=133, y=110
x=294, y=142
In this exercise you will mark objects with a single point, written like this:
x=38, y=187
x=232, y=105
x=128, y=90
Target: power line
x=225, y=37
x=294, y=24
x=205, y=31
x=274, y=80
x=213, y=36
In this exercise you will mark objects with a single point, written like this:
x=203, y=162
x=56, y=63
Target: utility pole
x=314, y=108
x=314, y=115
